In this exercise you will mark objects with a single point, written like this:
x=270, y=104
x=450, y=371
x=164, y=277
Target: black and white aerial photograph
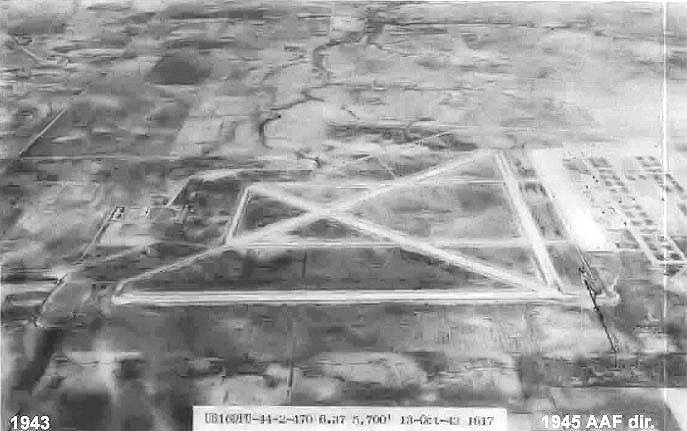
x=343, y=203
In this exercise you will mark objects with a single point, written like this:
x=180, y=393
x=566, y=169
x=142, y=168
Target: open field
x=331, y=230
x=137, y=261
x=322, y=193
x=340, y=355
x=518, y=259
x=459, y=211
x=261, y=211
x=138, y=121
x=317, y=268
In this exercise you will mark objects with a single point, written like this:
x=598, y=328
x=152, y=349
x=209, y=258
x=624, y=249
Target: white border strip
x=345, y=418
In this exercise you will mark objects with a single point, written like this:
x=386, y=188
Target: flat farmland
x=380, y=354
x=363, y=169
x=98, y=252
x=117, y=115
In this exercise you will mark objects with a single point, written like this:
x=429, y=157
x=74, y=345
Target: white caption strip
x=321, y=418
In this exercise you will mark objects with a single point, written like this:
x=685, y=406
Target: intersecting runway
x=276, y=236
